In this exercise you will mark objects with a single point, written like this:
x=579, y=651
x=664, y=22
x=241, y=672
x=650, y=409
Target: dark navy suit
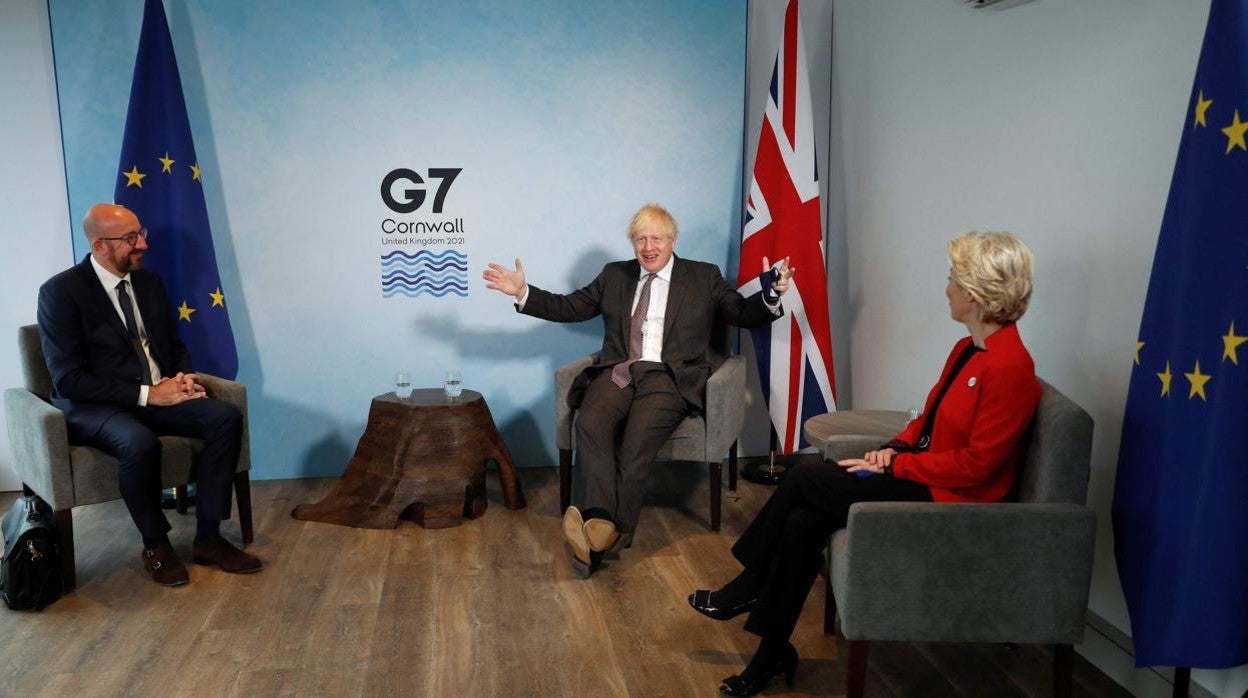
x=96, y=377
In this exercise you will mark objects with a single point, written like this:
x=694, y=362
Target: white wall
x=1058, y=120
x=32, y=185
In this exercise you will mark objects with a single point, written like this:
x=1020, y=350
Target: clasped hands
x=872, y=461
x=179, y=388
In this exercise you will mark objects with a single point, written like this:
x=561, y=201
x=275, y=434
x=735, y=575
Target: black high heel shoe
x=750, y=682
x=701, y=602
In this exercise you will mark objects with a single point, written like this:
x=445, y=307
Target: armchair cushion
x=964, y=572
x=702, y=438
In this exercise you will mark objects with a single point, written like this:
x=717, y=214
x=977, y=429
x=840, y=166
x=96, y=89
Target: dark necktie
x=127, y=310
x=132, y=327
x=620, y=372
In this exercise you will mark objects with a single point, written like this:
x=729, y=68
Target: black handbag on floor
x=30, y=572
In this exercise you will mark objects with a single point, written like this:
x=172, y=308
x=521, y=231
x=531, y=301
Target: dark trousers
x=132, y=437
x=783, y=546
x=619, y=432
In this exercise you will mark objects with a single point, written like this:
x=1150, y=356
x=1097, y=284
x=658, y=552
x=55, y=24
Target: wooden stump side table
x=421, y=458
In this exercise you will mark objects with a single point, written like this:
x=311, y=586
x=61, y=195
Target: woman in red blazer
x=966, y=447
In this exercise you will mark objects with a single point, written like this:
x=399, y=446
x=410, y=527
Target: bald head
x=108, y=220
x=106, y=226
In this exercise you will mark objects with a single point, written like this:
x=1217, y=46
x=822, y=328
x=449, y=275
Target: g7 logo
x=416, y=196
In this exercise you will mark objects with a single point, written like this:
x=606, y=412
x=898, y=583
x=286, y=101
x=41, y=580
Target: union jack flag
x=782, y=219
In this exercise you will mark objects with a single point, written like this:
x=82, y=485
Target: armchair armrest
x=40, y=443
x=725, y=406
x=564, y=376
x=1009, y=572
x=236, y=394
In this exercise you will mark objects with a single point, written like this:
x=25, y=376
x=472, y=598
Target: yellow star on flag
x=166, y=163
x=1235, y=134
x=1165, y=380
x=1198, y=380
x=1202, y=106
x=1138, y=347
x=218, y=298
x=195, y=167
x=134, y=177
x=1230, y=341
x=184, y=312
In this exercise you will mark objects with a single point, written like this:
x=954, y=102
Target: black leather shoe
x=702, y=603
x=751, y=681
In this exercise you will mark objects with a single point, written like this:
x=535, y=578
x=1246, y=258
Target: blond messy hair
x=652, y=215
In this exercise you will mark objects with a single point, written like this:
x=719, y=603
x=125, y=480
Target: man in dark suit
x=123, y=377
x=658, y=313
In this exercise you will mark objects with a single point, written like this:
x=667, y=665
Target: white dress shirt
x=652, y=328
x=109, y=281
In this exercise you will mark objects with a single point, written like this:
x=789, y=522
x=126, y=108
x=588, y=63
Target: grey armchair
x=702, y=438
x=1014, y=572
x=68, y=475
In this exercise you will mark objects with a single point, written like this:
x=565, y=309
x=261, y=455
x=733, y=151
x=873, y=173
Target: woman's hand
x=872, y=461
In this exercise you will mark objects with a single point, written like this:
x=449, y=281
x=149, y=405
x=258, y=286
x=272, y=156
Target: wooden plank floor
x=485, y=609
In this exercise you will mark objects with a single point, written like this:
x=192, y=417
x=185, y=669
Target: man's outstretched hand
x=508, y=281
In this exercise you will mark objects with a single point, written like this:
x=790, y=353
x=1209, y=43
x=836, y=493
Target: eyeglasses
x=131, y=238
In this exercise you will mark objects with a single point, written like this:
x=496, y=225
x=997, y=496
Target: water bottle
x=453, y=386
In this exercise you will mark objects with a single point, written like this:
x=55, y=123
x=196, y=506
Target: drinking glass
x=452, y=386
x=403, y=385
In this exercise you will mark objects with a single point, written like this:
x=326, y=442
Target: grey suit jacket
x=697, y=299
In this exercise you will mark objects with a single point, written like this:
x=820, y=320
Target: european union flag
x=160, y=180
x=1181, y=496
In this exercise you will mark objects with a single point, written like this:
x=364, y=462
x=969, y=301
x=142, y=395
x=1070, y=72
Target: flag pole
x=1182, y=681
x=771, y=472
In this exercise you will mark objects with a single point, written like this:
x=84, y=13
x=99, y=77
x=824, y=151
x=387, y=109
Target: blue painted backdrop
x=564, y=117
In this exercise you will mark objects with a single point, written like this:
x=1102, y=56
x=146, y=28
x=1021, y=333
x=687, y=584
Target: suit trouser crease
x=784, y=544
x=619, y=432
x=132, y=436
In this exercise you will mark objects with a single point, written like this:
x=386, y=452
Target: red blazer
x=977, y=439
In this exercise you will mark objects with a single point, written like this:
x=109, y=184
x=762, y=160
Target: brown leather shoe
x=220, y=553
x=163, y=564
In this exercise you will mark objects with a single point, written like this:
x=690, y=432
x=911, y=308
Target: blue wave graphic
x=425, y=284
x=423, y=272
x=421, y=276
x=387, y=266
x=421, y=254
x=412, y=294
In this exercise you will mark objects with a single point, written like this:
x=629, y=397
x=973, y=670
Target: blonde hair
x=995, y=268
x=653, y=215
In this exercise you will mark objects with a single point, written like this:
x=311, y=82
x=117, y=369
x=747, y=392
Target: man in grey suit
x=658, y=314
